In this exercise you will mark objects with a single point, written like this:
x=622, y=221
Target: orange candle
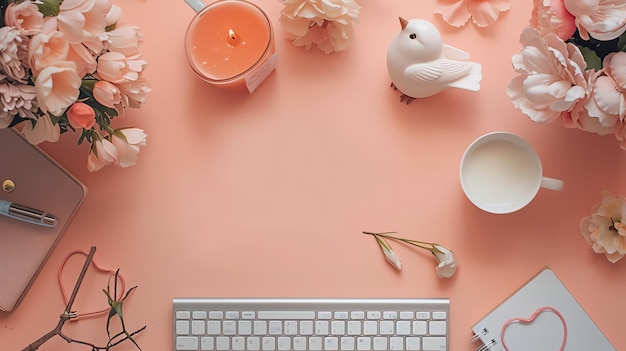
x=231, y=43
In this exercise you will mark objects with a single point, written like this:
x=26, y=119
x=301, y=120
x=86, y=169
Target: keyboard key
x=315, y=343
x=299, y=343
x=419, y=327
x=207, y=343
x=284, y=343
x=331, y=343
x=412, y=343
x=214, y=327
x=380, y=343
x=182, y=327
x=268, y=343
x=183, y=314
x=403, y=327
x=198, y=327
x=433, y=343
x=370, y=327
x=245, y=328
x=222, y=343
x=254, y=343
x=390, y=315
x=347, y=343
x=357, y=315
x=286, y=315
x=291, y=328
x=216, y=315
x=199, y=314
x=238, y=343
x=396, y=343
x=439, y=315
x=364, y=343
x=186, y=343
x=232, y=315
x=322, y=328
x=437, y=328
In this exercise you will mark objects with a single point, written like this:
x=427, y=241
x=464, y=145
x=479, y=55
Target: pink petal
x=618, y=69
x=487, y=12
x=455, y=14
x=606, y=96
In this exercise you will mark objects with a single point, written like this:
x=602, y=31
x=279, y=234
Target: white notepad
x=42, y=184
x=546, y=331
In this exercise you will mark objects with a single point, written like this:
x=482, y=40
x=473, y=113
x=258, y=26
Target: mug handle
x=196, y=5
x=552, y=183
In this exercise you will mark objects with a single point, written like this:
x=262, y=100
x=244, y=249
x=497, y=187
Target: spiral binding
x=484, y=346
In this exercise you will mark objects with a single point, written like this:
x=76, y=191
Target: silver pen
x=27, y=214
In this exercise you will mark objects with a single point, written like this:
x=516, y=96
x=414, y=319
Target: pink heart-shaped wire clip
x=98, y=267
x=530, y=320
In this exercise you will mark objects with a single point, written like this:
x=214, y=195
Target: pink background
x=267, y=195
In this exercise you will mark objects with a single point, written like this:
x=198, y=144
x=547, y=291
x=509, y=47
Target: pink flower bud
x=81, y=115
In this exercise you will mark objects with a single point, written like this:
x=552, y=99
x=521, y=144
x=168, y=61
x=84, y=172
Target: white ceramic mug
x=501, y=173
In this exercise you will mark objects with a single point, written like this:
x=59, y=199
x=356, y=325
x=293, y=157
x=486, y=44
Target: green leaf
x=591, y=58
x=621, y=43
x=50, y=8
x=110, y=27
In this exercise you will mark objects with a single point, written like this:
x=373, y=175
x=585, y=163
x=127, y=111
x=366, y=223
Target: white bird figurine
x=421, y=65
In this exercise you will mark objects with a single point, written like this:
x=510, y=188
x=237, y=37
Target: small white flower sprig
x=446, y=266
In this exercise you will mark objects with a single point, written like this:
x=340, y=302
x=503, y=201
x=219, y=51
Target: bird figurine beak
x=403, y=22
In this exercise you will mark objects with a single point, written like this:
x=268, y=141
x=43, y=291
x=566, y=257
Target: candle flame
x=233, y=39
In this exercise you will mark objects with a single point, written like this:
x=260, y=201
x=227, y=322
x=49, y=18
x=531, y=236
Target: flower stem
x=421, y=244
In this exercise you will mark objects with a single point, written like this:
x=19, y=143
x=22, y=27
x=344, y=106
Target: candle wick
x=233, y=39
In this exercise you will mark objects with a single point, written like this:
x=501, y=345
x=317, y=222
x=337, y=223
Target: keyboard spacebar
x=286, y=315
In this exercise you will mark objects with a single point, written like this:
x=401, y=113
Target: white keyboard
x=290, y=324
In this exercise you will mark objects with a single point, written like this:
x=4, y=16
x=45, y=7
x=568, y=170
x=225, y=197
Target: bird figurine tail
x=472, y=80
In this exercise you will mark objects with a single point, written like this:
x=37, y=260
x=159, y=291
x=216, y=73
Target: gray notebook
x=546, y=297
x=39, y=183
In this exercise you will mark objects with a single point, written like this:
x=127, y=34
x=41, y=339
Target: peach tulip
x=117, y=68
x=43, y=130
x=81, y=115
x=80, y=20
x=128, y=143
x=125, y=39
x=107, y=94
x=57, y=87
x=102, y=153
x=45, y=49
x=24, y=16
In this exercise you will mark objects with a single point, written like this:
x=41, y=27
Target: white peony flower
x=605, y=229
x=552, y=76
x=600, y=19
x=324, y=23
x=16, y=100
x=13, y=51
